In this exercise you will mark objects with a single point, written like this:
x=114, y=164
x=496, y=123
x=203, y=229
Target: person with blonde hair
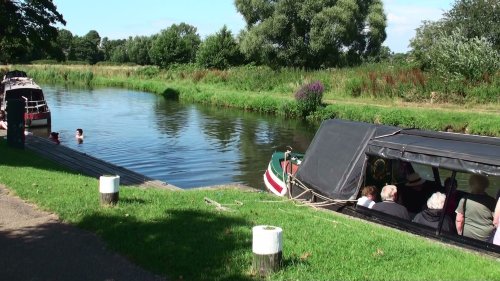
x=388, y=205
x=432, y=215
x=475, y=210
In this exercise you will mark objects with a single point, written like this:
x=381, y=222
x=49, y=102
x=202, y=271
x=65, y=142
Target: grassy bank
x=177, y=234
x=391, y=95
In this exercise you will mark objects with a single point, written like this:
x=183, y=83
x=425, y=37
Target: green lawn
x=178, y=235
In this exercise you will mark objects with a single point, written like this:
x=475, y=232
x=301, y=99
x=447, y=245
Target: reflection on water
x=186, y=145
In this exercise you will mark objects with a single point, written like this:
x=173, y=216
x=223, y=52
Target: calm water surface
x=187, y=145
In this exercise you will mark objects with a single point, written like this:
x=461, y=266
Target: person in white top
x=368, y=196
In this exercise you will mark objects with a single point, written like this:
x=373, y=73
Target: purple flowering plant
x=309, y=97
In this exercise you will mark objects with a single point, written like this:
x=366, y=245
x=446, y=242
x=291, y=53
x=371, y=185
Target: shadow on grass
x=56, y=251
x=132, y=201
x=187, y=244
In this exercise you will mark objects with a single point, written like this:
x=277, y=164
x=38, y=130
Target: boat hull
x=278, y=169
x=39, y=119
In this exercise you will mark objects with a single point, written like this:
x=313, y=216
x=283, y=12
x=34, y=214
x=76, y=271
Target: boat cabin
x=17, y=86
x=346, y=156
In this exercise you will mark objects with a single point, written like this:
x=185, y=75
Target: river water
x=187, y=145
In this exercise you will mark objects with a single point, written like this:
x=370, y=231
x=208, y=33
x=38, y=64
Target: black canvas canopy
x=334, y=162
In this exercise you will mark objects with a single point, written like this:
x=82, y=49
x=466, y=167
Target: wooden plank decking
x=89, y=165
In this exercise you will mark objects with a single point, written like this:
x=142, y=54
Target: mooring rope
x=326, y=201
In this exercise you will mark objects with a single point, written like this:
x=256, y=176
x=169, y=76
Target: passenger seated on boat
x=414, y=194
x=475, y=210
x=54, y=137
x=432, y=215
x=388, y=205
x=368, y=196
x=3, y=122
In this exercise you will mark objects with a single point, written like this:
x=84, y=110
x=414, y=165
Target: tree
x=219, y=50
x=64, y=41
x=138, y=49
x=464, y=44
x=26, y=22
x=86, y=48
x=119, y=54
x=108, y=47
x=426, y=36
x=176, y=44
x=312, y=34
x=459, y=58
x=476, y=18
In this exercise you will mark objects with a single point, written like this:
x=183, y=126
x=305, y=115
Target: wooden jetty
x=89, y=165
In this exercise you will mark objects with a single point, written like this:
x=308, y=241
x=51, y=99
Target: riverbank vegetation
x=176, y=234
x=388, y=94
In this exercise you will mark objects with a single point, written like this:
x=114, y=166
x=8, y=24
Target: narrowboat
x=281, y=165
x=17, y=85
x=345, y=156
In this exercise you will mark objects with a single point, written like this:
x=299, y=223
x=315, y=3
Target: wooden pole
x=109, y=189
x=267, y=249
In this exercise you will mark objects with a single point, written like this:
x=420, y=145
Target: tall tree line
x=278, y=33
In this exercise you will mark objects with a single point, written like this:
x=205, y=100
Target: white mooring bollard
x=267, y=249
x=109, y=187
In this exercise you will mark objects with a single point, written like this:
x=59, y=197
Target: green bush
x=148, y=71
x=457, y=58
x=354, y=86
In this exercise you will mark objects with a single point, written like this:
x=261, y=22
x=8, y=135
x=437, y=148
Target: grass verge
x=178, y=235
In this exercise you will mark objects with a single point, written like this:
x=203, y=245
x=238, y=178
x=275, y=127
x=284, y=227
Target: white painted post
x=267, y=249
x=109, y=187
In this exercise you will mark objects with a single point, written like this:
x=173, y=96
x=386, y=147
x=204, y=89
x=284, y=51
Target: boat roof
x=19, y=83
x=14, y=73
x=334, y=162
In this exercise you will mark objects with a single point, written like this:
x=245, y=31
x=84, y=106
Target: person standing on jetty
x=3, y=123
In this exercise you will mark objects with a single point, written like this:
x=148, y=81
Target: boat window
x=379, y=172
x=30, y=94
x=493, y=189
x=424, y=171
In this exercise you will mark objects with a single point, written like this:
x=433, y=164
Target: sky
x=119, y=19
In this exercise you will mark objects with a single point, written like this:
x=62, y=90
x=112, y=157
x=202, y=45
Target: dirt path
x=35, y=245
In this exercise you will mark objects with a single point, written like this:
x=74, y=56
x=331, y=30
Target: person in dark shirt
x=432, y=215
x=389, y=205
x=414, y=194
